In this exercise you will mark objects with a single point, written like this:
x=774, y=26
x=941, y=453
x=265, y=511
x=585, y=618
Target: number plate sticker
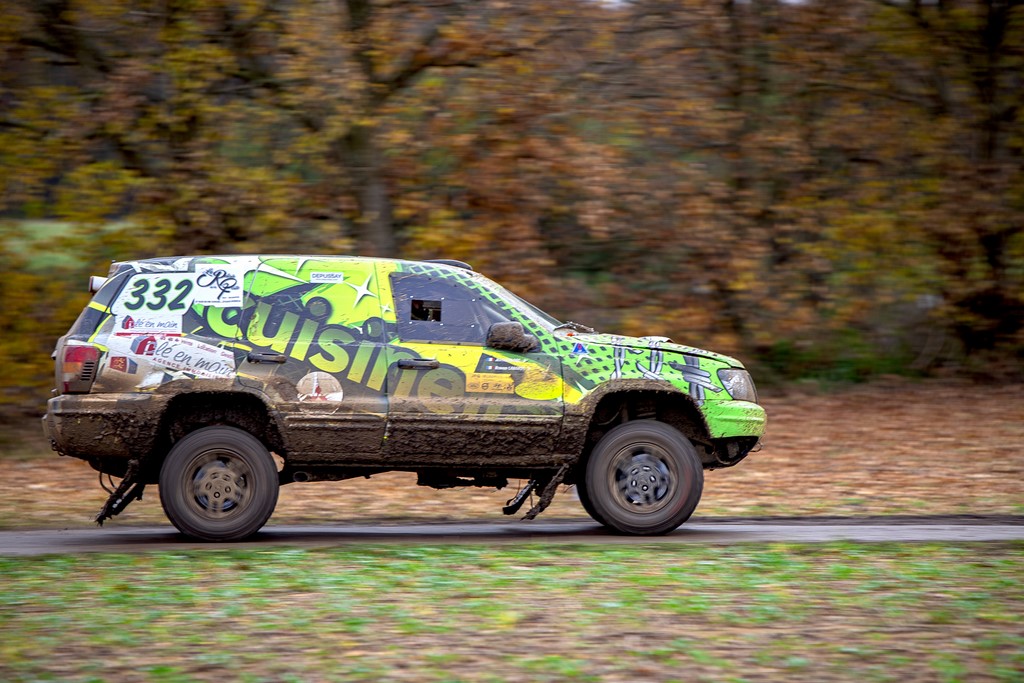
x=155, y=297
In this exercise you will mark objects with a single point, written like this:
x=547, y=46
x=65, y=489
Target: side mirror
x=510, y=337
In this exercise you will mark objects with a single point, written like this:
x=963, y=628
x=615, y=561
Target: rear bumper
x=103, y=427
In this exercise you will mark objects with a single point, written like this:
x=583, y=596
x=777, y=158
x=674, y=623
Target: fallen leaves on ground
x=889, y=447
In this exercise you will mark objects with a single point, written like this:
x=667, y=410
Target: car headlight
x=738, y=383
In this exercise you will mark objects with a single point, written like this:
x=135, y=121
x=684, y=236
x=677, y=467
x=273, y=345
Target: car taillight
x=78, y=368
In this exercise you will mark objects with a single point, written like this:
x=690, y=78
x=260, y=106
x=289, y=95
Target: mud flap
x=548, y=492
x=128, y=490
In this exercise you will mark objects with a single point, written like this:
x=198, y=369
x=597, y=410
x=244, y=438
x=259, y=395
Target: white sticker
x=155, y=296
x=147, y=324
x=219, y=284
x=326, y=277
x=319, y=386
x=178, y=353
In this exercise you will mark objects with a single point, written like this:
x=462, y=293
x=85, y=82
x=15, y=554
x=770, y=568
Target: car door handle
x=266, y=357
x=418, y=364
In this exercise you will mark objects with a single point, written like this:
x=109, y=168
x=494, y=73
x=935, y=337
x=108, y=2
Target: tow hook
x=548, y=492
x=548, y=486
x=128, y=490
x=513, y=504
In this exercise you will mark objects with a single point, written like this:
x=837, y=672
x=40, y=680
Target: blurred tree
x=135, y=110
x=834, y=188
x=830, y=172
x=388, y=47
x=971, y=63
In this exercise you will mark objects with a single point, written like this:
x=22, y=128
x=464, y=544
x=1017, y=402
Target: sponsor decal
x=319, y=386
x=194, y=357
x=124, y=364
x=580, y=350
x=219, y=285
x=148, y=324
x=178, y=353
x=326, y=277
x=144, y=346
x=490, y=363
x=488, y=383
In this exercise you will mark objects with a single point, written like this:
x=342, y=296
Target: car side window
x=435, y=309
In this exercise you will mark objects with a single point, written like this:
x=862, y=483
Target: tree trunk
x=357, y=151
x=359, y=155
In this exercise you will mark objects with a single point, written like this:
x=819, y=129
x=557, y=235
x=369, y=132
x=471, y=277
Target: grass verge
x=879, y=612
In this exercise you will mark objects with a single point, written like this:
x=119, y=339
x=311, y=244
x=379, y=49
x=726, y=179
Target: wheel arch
x=187, y=412
x=643, y=401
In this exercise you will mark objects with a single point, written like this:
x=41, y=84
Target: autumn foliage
x=822, y=188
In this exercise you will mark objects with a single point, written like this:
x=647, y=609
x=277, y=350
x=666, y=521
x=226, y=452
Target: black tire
x=643, y=478
x=218, y=484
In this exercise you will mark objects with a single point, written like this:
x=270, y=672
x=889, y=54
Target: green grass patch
x=476, y=613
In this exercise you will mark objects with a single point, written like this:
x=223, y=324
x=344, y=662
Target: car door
x=314, y=330
x=449, y=395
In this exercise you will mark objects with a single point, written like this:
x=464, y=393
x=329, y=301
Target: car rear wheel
x=643, y=477
x=218, y=484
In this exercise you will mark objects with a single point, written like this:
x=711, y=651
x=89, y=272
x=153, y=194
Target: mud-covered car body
x=347, y=366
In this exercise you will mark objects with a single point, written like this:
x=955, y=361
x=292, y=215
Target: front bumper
x=727, y=419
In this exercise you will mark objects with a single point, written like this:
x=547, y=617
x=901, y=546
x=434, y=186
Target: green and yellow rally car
x=189, y=372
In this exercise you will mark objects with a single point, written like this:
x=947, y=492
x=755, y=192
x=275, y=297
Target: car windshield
x=522, y=305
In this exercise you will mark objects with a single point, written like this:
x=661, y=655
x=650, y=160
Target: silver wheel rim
x=642, y=478
x=219, y=484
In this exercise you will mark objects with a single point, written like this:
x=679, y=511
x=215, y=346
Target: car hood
x=663, y=343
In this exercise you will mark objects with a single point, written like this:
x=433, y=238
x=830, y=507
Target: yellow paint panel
x=540, y=384
x=387, y=300
x=537, y=384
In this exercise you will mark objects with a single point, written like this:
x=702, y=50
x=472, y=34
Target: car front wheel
x=643, y=477
x=218, y=484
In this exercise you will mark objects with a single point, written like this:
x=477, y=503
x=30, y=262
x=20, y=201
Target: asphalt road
x=700, y=531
